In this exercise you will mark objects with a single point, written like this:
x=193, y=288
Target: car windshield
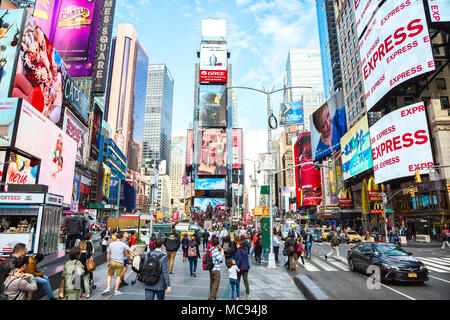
x=390, y=250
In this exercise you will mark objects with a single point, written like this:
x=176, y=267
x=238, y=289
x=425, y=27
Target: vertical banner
x=237, y=149
x=8, y=111
x=75, y=192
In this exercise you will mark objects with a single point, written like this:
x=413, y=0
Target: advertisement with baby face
x=21, y=170
x=39, y=137
x=39, y=73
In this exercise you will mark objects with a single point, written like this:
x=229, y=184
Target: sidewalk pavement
x=265, y=284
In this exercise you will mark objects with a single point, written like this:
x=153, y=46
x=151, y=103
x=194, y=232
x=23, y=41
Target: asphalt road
x=339, y=283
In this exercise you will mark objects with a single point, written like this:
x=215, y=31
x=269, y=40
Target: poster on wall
x=236, y=151
x=401, y=144
x=395, y=48
x=212, y=106
x=39, y=74
x=8, y=111
x=439, y=10
x=202, y=203
x=307, y=178
x=75, y=192
x=21, y=169
x=213, y=62
x=53, y=146
x=213, y=153
x=10, y=28
x=356, y=151
x=78, y=132
x=329, y=124
x=291, y=113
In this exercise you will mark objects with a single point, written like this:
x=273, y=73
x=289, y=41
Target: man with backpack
x=155, y=273
x=211, y=261
x=172, y=243
x=74, y=230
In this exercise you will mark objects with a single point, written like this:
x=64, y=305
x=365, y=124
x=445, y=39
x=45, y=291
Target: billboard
x=401, y=143
x=55, y=148
x=75, y=97
x=291, y=113
x=364, y=10
x=8, y=111
x=395, y=48
x=11, y=24
x=236, y=150
x=39, y=74
x=213, y=62
x=202, y=203
x=21, y=170
x=212, y=106
x=307, y=178
x=356, y=151
x=113, y=190
x=75, y=192
x=335, y=178
x=214, y=28
x=79, y=133
x=106, y=183
x=16, y=4
x=439, y=10
x=209, y=184
x=190, y=147
x=213, y=152
x=329, y=125
x=96, y=131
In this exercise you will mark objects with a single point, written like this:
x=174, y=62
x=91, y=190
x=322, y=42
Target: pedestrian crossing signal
x=417, y=177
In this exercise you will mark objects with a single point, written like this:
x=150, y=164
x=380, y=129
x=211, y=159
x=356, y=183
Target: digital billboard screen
x=291, y=113
x=8, y=111
x=236, y=149
x=356, y=151
x=39, y=74
x=202, y=203
x=395, y=48
x=21, y=169
x=213, y=106
x=401, y=143
x=213, y=62
x=364, y=9
x=439, y=10
x=209, y=184
x=213, y=152
x=79, y=133
x=53, y=146
x=10, y=27
x=329, y=125
x=75, y=97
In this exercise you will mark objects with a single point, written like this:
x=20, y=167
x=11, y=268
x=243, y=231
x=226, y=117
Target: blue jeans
x=235, y=287
x=45, y=284
x=265, y=254
x=276, y=249
x=150, y=294
x=308, y=249
x=192, y=265
x=252, y=251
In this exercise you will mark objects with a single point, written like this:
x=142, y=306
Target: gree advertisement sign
x=356, y=151
x=395, y=48
x=213, y=62
x=401, y=143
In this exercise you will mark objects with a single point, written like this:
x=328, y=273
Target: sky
x=259, y=36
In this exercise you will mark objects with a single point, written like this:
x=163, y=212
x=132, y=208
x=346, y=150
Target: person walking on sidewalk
x=115, y=257
x=74, y=230
x=205, y=239
x=445, y=235
x=217, y=255
x=184, y=246
x=233, y=278
x=334, y=247
x=172, y=244
x=193, y=254
x=308, y=243
x=72, y=275
x=126, y=260
x=161, y=287
x=291, y=245
x=39, y=276
x=276, y=246
x=258, y=248
x=243, y=264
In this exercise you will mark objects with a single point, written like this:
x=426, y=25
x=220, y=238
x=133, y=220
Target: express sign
x=363, y=11
x=395, y=48
x=439, y=10
x=401, y=143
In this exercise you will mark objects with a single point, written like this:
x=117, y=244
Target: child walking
x=234, y=282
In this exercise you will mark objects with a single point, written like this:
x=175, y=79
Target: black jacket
x=172, y=242
x=74, y=225
x=206, y=236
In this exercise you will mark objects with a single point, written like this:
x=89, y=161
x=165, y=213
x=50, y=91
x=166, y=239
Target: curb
x=309, y=289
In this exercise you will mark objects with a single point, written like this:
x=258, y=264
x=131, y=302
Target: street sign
x=265, y=190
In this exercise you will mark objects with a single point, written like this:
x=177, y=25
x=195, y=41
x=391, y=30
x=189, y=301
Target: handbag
x=61, y=292
x=90, y=264
x=284, y=252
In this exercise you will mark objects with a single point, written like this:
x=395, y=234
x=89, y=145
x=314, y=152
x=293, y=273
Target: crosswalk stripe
x=446, y=259
x=322, y=265
x=428, y=263
x=434, y=269
x=310, y=267
x=438, y=261
x=340, y=265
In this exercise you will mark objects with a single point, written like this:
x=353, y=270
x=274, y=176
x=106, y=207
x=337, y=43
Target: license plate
x=412, y=275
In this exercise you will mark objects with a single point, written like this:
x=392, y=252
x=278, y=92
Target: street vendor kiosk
x=30, y=218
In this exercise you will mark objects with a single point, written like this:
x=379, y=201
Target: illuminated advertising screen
x=213, y=106
x=39, y=74
x=189, y=147
x=106, y=182
x=395, y=48
x=364, y=9
x=401, y=143
x=291, y=113
x=209, y=184
x=39, y=137
x=356, y=151
x=335, y=178
x=96, y=131
x=307, y=178
x=202, y=203
x=329, y=124
x=79, y=133
x=74, y=96
x=11, y=24
x=113, y=190
x=75, y=192
x=21, y=170
x=236, y=149
x=213, y=62
x=16, y=4
x=439, y=10
x=44, y=15
x=213, y=152
x=8, y=111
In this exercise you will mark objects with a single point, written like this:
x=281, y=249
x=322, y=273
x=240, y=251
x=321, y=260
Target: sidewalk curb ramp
x=309, y=289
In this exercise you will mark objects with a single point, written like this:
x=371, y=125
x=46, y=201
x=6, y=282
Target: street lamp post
x=254, y=185
x=271, y=262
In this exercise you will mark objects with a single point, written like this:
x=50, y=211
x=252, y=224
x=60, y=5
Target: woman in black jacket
x=258, y=249
x=193, y=253
x=291, y=246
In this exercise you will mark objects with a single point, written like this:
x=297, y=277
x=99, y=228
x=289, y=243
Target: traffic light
x=417, y=177
x=448, y=187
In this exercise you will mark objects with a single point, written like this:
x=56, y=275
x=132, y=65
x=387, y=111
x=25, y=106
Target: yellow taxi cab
x=325, y=232
x=353, y=236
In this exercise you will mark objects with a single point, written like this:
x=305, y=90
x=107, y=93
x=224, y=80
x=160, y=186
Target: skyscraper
x=177, y=163
x=158, y=114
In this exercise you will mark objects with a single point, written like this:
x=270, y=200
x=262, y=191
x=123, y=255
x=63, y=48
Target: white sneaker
x=106, y=291
x=117, y=293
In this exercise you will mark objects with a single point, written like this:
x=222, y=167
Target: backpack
x=207, y=261
x=151, y=271
x=192, y=252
